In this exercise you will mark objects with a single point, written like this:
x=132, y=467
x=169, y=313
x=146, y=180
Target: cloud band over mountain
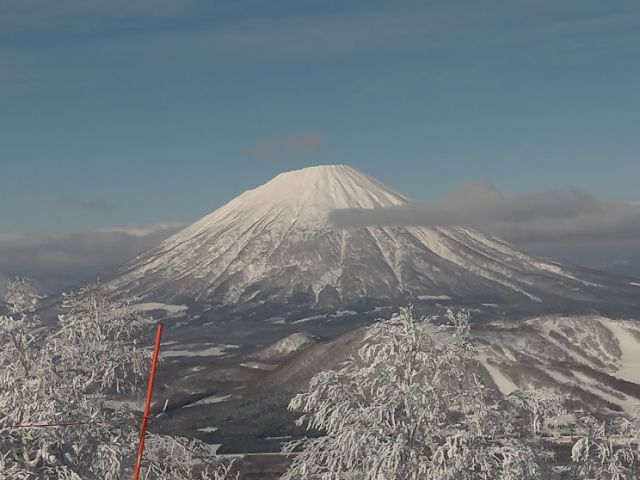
x=571, y=224
x=551, y=215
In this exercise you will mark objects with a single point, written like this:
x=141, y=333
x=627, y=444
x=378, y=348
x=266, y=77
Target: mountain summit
x=275, y=245
x=325, y=187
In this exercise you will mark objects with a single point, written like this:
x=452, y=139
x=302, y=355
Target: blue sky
x=119, y=112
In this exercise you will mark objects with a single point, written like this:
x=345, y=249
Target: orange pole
x=147, y=404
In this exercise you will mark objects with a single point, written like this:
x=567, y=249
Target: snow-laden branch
x=57, y=386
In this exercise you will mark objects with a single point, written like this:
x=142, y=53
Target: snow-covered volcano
x=275, y=245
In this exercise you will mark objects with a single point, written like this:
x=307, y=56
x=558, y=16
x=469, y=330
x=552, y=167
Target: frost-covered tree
x=58, y=420
x=606, y=450
x=55, y=383
x=179, y=458
x=409, y=405
x=21, y=296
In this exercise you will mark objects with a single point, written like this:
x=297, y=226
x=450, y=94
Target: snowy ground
x=212, y=351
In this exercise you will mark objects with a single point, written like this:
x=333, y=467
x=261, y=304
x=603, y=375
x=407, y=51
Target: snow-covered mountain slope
x=593, y=359
x=286, y=347
x=275, y=245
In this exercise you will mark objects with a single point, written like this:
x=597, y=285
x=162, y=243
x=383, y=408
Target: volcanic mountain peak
x=274, y=245
x=326, y=187
x=297, y=198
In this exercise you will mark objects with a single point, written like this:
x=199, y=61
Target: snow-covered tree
x=409, y=405
x=606, y=450
x=55, y=383
x=21, y=296
x=58, y=420
x=179, y=458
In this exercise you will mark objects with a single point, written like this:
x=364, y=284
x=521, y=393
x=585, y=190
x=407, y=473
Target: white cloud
x=141, y=230
x=60, y=260
x=570, y=224
x=569, y=214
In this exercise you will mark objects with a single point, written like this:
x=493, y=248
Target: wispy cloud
x=78, y=16
x=95, y=205
x=292, y=28
x=295, y=143
x=76, y=31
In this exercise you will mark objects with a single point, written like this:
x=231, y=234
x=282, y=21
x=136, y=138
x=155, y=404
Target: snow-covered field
x=286, y=346
x=210, y=400
x=434, y=297
x=208, y=429
x=172, y=311
x=212, y=351
x=258, y=365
